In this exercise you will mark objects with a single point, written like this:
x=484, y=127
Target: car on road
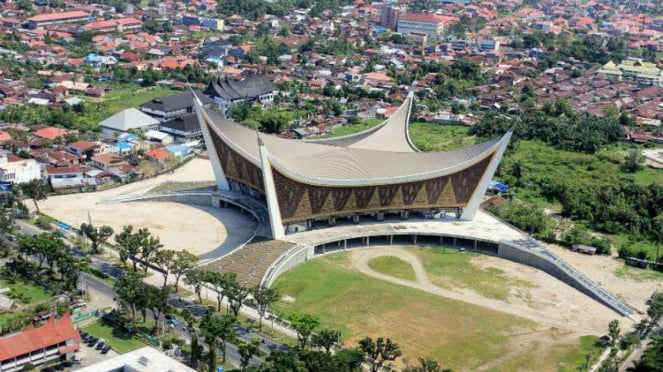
x=172, y=321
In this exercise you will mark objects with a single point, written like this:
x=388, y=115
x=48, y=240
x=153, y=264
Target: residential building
x=253, y=88
x=84, y=149
x=115, y=25
x=65, y=177
x=56, y=340
x=390, y=14
x=42, y=20
x=129, y=119
x=170, y=107
x=145, y=359
x=160, y=137
x=51, y=133
x=636, y=69
x=21, y=171
x=183, y=129
x=429, y=24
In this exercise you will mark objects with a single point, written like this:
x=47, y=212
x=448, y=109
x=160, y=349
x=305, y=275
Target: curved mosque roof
x=380, y=155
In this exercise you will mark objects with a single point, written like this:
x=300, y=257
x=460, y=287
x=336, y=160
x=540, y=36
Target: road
x=103, y=289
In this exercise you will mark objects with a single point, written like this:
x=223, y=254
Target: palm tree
x=326, y=339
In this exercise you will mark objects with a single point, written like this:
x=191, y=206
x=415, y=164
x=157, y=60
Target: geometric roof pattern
x=128, y=119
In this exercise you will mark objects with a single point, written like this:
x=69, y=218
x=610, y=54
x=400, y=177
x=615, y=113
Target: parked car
x=100, y=345
x=173, y=322
x=106, y=349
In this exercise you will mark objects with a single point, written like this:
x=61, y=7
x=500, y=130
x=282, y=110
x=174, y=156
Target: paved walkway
x=423, y=283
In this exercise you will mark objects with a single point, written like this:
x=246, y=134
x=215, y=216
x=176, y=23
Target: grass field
x=31, y=293
x=449, y=268
x=356, y=128
x=639, y=275
x=573, y=357
x=120, y=340
x=124, y=97
x=460, y=335
x=436, y=137
x=393, y=266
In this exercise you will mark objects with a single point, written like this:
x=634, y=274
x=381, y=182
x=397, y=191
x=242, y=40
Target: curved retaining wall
x=527, y=252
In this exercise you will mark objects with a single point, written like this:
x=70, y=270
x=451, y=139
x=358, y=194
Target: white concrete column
x=203, y=119
x=473, y=205
x=270, y=194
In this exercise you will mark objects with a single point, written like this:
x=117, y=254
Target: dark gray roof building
x=184, y=128
x=226, y=91
x=170, y=107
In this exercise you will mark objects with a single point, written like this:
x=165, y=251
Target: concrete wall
x=290, y=259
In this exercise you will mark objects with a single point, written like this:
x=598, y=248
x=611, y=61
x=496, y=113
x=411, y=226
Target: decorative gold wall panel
x=299, y=201
x=235, y=166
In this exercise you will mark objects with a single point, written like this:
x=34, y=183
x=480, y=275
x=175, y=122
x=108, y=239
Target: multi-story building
x=42, y=20
x=390, y=14
x=634, y=69
x=56, y=340
x=429, y=24
x=115, y=25
x=21, y=171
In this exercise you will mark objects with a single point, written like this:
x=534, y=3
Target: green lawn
x=120, y=340
x=356, y=128
x=639, y=275
x=393, y=266
x=436, y=137
x=571, y=358
x=460, y=335
x=29, y=293
x=123, y=97
x=449, y=268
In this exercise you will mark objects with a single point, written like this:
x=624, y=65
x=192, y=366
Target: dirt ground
x=202, y=230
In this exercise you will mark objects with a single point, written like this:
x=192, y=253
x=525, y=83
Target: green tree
x=35, y=190
x=149, y=246
x=70, y=269
x=157, y=301
x=379, y=352
x=217, y=327
x=182, y=262
x=426, y=365
x=633, y=161
x=7, y=222
x=128, y=245
x=246, y=351
x=196, y=349
x=326, y=339
x=97, y=235
x=613, y=331
x=263, y=298
x=237, y=294
x=196, y=279
x=222, y=282
x=164, y=259
x=129, y=290
x=304, y=325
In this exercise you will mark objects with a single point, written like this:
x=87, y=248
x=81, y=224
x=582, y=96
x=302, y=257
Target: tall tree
x=157, y=300
x=149, y=245
x=164, y=259
x=263, y=297
x=35, y=190
x=195, y=278
x=97, y=235
x=196, y=350
x=6, y=225
x=326, y=339
x=237, y=294
x=183, y=261
x=217, y=327
x=222, y=282
x=128, y=245
x=129, y=289
x=426, y=365
x=613, y=331
x=379, y=352
x=304, y=325
x=246, y=351
x=70, y=268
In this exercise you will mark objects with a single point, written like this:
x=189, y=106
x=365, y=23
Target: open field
x=356, y=128
x=436, y=137
x=120, y=340
x=449, y=268
x=392, y=266
x=203, y=230
x=460, y=335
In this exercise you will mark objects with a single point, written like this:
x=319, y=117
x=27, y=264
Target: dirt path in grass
x=362, y=257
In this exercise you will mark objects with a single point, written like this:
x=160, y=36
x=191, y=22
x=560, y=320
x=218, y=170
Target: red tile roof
x=417, y=17
x=158, y=154
x=58, y=16
x=4, y=136
x=52, y=333
x=51, y=133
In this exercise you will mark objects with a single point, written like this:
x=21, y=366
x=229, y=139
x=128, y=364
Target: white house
x=129, y=119
x=21, y=171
